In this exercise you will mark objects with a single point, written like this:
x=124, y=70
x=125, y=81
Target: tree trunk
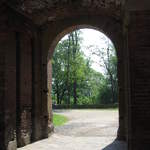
x=110, y=74
x=57, y=93
x=112, y=88
x=75, y=44
x=58, y=101
x=75, y=92
x=68, y=72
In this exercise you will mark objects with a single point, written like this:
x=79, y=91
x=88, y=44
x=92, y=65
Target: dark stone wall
x=36, y=87
x=32, y=109
x=25, y=75
x=24, y=97
x=25, y=68
x=10, y=90
x=23, y=115
x=8, y=45
x=139, y=112
x=2, y=93
x=7, y=84
x=40, y=116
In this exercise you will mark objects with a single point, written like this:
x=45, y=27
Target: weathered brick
x=140, y=71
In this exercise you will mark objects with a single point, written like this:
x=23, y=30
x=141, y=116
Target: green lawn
x=59, y=120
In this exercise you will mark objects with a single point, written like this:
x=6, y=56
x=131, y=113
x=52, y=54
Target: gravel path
x=86, y=130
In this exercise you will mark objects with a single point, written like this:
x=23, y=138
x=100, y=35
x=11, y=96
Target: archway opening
x=85, y=76
x=83, y=60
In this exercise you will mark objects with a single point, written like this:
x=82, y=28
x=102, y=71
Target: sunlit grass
x=59, y=120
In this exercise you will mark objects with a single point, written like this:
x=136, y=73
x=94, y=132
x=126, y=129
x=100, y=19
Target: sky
x=96, y=38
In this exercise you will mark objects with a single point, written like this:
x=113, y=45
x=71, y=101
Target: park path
x=86, y=130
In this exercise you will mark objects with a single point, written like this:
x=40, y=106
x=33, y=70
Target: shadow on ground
x=116, y=145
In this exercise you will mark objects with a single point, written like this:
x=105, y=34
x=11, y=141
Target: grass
x=59, y=120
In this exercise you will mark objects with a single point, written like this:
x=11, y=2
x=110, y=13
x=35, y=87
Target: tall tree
x=75, y=82
x=68, y=69
x=70, y=55
x=75, y=50
x=58, y=73
x=108, y=60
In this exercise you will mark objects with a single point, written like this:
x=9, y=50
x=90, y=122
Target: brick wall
x=139, y=46
x=8, y=45
x=7, y=83
x=25, y=105
x=2, y=89
x=25, y=90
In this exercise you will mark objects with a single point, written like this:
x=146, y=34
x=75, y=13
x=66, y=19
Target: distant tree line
x=73, y=79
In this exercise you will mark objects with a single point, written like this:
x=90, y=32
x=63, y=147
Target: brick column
x=8, y=90
x=37, y=87
x=2, y=93
x=121, y=135
x=24, y=87
x=44, y=87
x=123, y=81
x=139, y=46
x=41, y=104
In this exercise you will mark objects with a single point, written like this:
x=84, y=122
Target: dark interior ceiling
x=41, y=11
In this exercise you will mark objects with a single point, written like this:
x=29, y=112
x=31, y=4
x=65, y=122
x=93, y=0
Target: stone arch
x=60, y=19
x=110, y=27
x=45, y=20
x=71, y=29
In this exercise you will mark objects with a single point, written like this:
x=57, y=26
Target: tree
x=59, y=74
x=75, y=82
x=69, y=57
x=75, y=50
x=108, y=60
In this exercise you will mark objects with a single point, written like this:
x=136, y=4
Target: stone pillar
x=123, y=80
x=41, y=115
x=121, y=135
x=36, y=87
x=24, y=87
x=2, y=92
x=139, y=106
x=8, y=90
x=45, y=93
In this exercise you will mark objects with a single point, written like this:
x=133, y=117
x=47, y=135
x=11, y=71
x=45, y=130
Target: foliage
x=108, y=60
x=75, y=82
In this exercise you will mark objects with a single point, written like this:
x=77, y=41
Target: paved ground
x=86, y=130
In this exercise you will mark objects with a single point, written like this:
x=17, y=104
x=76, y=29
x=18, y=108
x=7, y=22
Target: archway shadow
x=116, y=145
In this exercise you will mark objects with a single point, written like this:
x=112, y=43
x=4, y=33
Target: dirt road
x=86, y=130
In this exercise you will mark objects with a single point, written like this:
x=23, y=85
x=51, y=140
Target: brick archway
x=28, y=34
x=117, y=38
x=31, y=111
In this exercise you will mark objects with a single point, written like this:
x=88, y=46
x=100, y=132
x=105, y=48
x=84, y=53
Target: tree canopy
x=75, y=81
